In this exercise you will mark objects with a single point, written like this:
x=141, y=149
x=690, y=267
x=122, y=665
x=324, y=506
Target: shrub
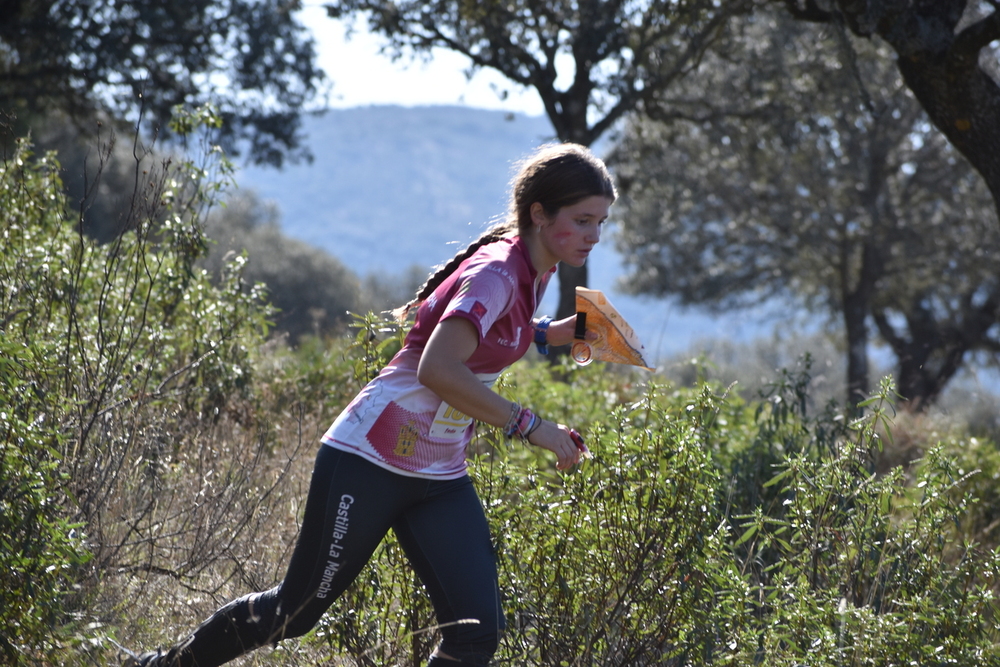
x=40, y=548
x=110, y=352
x=853, y=567
x=705, y=531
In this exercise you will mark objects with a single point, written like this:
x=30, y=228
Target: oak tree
x=250, y=58
x=948, y=53
x=802, y=167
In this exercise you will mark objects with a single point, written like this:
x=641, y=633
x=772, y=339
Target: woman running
x=395, y=457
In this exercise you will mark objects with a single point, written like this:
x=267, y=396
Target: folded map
x=616, y=340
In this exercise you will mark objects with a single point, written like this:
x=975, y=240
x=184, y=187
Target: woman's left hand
x=562, y=332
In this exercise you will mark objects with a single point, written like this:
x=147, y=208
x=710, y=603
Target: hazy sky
x=362, y=76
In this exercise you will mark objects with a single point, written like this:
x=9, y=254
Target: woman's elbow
x=429, y=375
x=442, y=363
x=424, y=375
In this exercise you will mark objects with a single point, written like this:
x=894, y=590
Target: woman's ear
x=538, y=217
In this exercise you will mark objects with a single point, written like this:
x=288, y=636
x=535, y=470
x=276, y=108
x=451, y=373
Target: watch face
x=582, y=353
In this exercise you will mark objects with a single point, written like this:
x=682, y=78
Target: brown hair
x=555, y=176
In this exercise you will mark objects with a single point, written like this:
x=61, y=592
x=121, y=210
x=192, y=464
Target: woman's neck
x=540, y=257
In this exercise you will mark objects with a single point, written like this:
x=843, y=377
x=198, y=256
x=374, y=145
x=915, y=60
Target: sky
x=362, y=76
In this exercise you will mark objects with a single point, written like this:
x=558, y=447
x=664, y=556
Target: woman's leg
x=350, y=507
x=447, y=539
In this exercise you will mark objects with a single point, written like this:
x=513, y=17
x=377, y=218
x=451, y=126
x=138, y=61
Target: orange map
x=616, y=340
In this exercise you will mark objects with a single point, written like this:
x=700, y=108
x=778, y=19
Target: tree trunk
x=946, y=78
x=931, y=350
x=856, y=294
x=573, y=129
x=855, y=314
x=569, y=278
x=927, y=361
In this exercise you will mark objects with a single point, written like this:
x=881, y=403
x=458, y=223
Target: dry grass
x=203, y=512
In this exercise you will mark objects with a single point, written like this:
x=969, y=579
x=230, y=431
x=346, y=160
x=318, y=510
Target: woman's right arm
x=442, y=369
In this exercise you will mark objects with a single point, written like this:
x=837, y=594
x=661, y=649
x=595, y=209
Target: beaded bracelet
x=511, y=425
x=522, y=423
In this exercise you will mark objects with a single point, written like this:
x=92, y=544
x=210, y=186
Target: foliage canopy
x=311, y=291
x=251, y=58
x=948, y=52
x=820, y=179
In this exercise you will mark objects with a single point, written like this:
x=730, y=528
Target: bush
x=706, y=531
x=110, y=353
x=40, y=548
x=853, y=567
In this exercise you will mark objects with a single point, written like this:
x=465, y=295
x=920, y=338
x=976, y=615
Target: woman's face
x=573, y=231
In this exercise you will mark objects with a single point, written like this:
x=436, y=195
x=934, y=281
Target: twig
x=158, y=392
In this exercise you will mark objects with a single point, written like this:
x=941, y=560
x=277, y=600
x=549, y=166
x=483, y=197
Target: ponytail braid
x=493, y=234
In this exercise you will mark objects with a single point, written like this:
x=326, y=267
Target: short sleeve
x=484, y=293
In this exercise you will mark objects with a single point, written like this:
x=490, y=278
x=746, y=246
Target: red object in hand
x=578, y=441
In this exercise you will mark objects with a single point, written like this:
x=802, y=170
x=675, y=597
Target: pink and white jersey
x=398, y=423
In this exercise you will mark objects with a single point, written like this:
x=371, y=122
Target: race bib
x=449, y=423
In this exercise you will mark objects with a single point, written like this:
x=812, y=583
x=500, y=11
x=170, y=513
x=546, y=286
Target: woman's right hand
x=557, y=439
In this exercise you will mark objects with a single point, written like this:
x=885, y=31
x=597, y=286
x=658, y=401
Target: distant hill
x=392, y=187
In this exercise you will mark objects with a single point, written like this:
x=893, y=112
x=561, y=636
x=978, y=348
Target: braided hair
x=555, y=176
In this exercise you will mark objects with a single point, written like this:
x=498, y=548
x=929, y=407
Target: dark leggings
x=352, y=504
